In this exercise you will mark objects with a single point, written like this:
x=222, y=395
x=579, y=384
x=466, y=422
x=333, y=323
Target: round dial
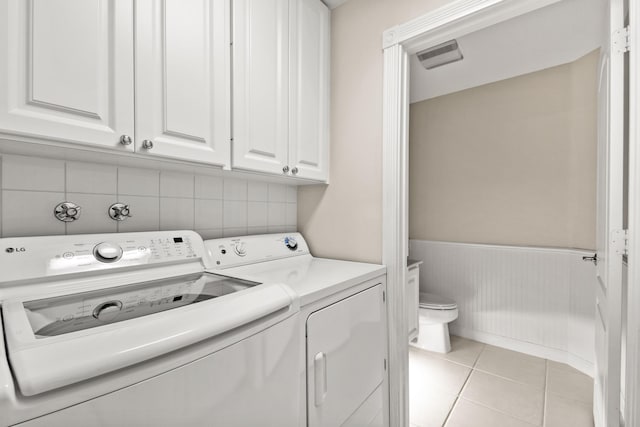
x=107, y=252
x=240, y=249
x=291, y=243
x=107, y=311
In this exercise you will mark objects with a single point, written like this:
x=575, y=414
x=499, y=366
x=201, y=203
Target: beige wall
x=344, y=220
x=513, y=162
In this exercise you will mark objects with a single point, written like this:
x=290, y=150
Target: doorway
x=438, y=27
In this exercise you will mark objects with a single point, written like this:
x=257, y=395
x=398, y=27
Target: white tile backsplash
x=94, y=216
x=235, y=214
x=257, y=214
x=211, y=205
x=30, y=213
x=208, y=187
x=277, y=214
x=145, y=214
x=291, y=214
x=138, y=182
x=235, y=189
x=176, y=185
x=208, y=214
x=257, y=191
x=176, y=213
x=277, y=193
x=292, y=194
x=232, y=232
x=91, y=178
x=32, y=173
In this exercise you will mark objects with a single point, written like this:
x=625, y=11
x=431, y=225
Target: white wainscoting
x=538, y=301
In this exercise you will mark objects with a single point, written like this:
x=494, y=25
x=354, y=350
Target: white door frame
x=632, y=383
x=453, y=20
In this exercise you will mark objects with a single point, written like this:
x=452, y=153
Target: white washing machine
x=342, y=324
x=129, y=330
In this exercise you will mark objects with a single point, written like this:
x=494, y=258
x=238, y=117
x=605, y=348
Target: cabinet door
x=413, y=300
x=345, y=357
x=183, y=79
x=66, y=70
x=309, y=118
x=260, y=85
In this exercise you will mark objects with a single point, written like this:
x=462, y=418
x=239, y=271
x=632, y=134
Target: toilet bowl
x=434, y=313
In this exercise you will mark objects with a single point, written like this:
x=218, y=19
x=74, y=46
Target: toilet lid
x=437, y=302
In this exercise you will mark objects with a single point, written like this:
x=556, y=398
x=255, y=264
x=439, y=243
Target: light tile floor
x=478, y=385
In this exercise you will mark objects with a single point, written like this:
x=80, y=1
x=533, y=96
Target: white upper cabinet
x=66, y=70
x=183, y=79
x=281, y=87
x=261, y=85
x=309, y=108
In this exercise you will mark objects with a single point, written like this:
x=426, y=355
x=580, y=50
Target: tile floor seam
x=459, y=394
x=509, y=379
x=499, y=411
x=461, y=403
x=544, y=401
x=496, y=409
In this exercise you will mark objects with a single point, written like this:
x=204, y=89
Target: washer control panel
x=34, y=257
x=234, y=252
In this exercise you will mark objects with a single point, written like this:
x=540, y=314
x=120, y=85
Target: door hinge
x=384, y=298
x=620, y=241
x=620, y=40
x=385, y=364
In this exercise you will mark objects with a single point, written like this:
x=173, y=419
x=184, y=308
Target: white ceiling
x=551, y=36
x=333, y=3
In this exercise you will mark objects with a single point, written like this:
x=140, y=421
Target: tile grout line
x=513, y=381
x=458, y=397
x=546, y=384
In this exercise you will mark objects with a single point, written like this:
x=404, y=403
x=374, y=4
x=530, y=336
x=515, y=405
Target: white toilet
x=435, y=313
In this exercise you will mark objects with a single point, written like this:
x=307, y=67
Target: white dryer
x=342, y=323
x=129, y=330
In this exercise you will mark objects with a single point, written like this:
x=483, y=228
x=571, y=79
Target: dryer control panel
x=237, y=251
x=41, y=257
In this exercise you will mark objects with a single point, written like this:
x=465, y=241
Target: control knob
x=240, y=249
x=107, y=252
x=107, y=311
x=291, y=243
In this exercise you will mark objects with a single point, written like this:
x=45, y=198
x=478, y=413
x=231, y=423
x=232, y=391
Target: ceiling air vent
x=439, y=55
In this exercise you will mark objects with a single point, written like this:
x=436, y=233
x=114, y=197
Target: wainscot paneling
x=535, y=300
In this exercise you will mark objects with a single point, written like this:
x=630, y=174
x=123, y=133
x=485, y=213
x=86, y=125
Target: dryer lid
x=437, y=302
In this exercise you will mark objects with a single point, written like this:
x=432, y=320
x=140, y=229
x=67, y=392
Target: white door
x=183, y=79
x=66, y=70
x=345, y=358
x=309, y=107
x=609, y=223
x=412, y=298
x=261, y=85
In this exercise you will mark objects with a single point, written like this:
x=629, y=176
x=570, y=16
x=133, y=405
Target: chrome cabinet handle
x=294, y=170
x=147, y=144
x=285, y=169
x=125, y=140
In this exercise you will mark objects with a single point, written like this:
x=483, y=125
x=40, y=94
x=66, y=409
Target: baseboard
x=528, y=348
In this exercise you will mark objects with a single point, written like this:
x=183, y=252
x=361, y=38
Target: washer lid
x=437, y=302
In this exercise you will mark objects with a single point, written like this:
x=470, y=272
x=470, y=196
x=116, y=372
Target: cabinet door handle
x=320, y=374
x=285, y=169
x=125, y=140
